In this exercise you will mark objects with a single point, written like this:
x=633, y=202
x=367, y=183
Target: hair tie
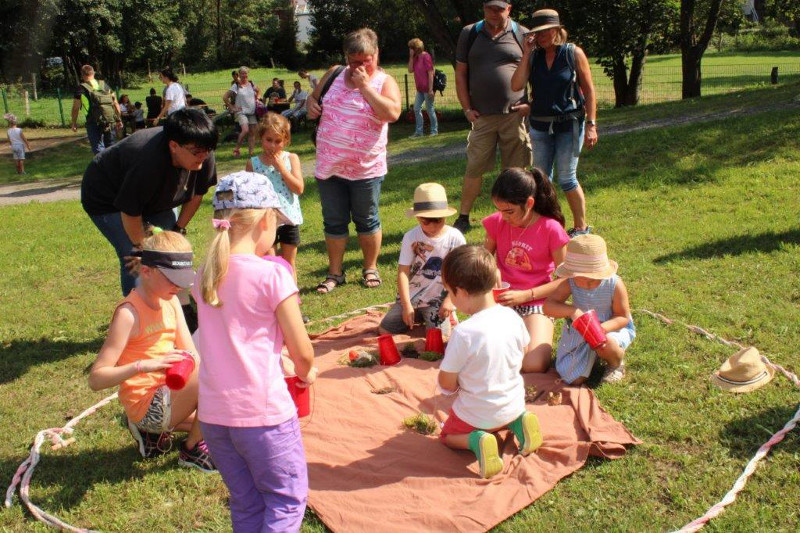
x=155, y=230
x=221, y=223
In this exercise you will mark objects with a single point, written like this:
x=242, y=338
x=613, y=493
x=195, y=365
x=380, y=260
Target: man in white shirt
x=298, y=97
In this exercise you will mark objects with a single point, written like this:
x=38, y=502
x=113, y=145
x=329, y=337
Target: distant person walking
x=487, y=55
x=563, y=107
x=312, y=79
x=18, y=142
x=421, y=65
x=240, y=99
x=174, y=96
x=154, y=104
x=102, y=110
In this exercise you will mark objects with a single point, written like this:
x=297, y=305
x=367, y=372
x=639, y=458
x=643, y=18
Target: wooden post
x=405, y=76
x=27, y=104
x=773, y=77
x=33, y=78
x=184, y=69
x=149, y=74
x=61, y=108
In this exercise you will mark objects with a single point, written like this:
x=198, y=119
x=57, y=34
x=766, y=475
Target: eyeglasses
x=427, y=220
x=195, y=151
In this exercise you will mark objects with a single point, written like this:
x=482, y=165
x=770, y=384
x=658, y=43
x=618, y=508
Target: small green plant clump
x=359, y=359
x=421, y=423
x=409, y=351
x=430, y=356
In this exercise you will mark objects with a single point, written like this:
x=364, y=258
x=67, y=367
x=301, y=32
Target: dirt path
x=53, y=191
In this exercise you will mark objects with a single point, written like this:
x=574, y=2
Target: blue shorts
x=343, y=199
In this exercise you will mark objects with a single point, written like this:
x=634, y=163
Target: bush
x=770, y=37
x=32, y=123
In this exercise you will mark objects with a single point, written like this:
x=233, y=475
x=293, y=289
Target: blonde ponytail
x=215, y=267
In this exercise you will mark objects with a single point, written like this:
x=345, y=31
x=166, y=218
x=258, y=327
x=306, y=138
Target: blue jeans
x=99, y=140
x=266, y=474
x=110, y=225
x=341, y=199
x=558, y=148
x=428, y=100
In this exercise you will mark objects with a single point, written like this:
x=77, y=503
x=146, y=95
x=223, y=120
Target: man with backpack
x=487, y=55
x=102, y=110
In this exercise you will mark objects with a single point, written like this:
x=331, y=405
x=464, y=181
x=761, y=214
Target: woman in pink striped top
x=351, y=153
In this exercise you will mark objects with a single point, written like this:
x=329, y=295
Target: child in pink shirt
x=247, y=310
x=528, y=239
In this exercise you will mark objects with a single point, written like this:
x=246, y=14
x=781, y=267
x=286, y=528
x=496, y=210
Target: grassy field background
x=703, y=220
x=722, y=73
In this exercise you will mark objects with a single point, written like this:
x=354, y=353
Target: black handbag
x=324, y=90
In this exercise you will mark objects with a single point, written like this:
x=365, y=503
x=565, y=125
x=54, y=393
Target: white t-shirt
x=176, y=96
x=313, y=81
x=486, y=352
x=299, y=98
x=15, y=136
x=425, y=277
x=245, y=98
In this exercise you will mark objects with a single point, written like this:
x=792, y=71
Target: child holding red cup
x=590, y=278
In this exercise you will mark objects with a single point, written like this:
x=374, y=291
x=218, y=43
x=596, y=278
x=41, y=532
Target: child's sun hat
x=176, y=266
x=430, y=201
x=587, y=257
x=248, y=190
x=11, y=117
x=744, y=371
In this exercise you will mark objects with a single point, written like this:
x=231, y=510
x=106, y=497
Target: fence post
x=773, y=77
x=33, y=78
x=405, y=76
x=61, y=108
x=27, y=104
x=183, y=67
x=5, y=100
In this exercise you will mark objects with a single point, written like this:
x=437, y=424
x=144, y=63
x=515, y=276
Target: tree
x=693, y=45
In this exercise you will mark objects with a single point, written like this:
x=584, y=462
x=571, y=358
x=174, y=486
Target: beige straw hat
x=744, y=371
x=430, y=200
x=587, y=257
x=544, y=19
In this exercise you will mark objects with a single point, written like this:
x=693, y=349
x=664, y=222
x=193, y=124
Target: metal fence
x=660, y=83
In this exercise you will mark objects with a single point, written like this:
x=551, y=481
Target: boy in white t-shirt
x=420, y=293
x=482, y=364
x=18, y=142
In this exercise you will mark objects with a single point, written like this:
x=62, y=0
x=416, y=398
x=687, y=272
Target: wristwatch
x=591, y=122
x=178, y=229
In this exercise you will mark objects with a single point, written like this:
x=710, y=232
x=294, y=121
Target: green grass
x=703, y=222
x=722, y=73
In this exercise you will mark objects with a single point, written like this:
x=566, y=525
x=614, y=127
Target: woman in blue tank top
x=563, y=106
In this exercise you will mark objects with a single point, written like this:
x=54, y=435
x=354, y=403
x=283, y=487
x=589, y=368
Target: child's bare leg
x=184, y=411
x=611, y=353
x=540, y=350
x=289, y=252
x=20, y=166
x=457, y=442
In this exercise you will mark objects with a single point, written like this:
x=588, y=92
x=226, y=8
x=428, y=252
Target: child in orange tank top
x=147, y=334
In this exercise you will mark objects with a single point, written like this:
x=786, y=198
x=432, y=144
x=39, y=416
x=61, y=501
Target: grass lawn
x=703, y=222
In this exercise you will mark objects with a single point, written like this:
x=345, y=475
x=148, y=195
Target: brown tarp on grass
x=368, y=473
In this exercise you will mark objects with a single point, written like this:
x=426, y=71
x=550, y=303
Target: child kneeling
x=591, y=279
x=482, y=363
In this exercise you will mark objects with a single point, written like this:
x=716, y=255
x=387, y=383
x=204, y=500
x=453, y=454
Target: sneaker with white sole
x=150, y=444
x=198, y=457
x=613, y=375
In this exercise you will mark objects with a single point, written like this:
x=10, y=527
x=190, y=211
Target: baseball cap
x=248, y=190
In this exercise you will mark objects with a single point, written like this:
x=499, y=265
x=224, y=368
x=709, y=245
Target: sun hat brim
x=545, y=27
x=747, y=386
x=181, y=277
x=431, y=213
x=563, y=272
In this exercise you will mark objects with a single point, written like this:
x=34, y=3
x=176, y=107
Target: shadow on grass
x=766, y=242
x=19, y=355
x=744, y=436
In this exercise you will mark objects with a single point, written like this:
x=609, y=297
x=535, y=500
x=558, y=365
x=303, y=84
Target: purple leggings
x=265, y=471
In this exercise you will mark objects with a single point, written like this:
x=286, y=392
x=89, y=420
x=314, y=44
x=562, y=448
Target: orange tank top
x=156, y=338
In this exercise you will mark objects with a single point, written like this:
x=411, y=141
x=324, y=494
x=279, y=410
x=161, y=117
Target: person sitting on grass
x=591, y=279
x=147, y=334
x=482, y=364
x=18, y=142
x=420, y=294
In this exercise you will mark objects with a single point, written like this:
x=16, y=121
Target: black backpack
x=439, y=81
x=101, y=105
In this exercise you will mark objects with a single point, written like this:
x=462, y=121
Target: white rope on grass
x=750, y=468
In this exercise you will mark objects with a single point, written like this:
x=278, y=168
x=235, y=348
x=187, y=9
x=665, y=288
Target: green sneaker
x=526, y=428
x=484, y=445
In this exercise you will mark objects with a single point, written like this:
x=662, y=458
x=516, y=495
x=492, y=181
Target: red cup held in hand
x=178, y=374
x=497, y=291
x=433, y=341
x=299, y=395
x=388, y=350
x=589, y=327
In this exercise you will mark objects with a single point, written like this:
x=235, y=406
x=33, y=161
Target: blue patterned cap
x=248, y=190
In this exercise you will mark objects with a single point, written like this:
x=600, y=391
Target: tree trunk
x=620, y=79
x=693, y=47
x=690, y=70
x=219, y=32
x=635, y=81
x=438, y=28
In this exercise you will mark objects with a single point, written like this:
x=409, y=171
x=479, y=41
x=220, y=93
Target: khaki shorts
x=489, y=131
x=244, y=119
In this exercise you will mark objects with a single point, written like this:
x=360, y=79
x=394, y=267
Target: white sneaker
x=614, y=375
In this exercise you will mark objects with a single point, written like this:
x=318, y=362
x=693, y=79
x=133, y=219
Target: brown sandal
x=330, y=282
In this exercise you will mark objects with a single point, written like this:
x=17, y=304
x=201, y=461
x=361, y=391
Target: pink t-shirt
x=525, y=255
x=422, y=65
x=351, y=139
x=241, y=380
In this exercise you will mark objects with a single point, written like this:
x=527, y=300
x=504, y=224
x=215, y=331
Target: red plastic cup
x=388, y=350
x=433, y=341
x=497, y=291
x=299, y=396
x=178, y=374
x=589, y=327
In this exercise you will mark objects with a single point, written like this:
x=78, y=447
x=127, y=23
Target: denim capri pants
x=558, y=148
x=344, y=199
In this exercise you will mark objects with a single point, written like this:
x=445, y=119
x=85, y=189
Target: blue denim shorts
x=558, y=149
x=343, y=199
